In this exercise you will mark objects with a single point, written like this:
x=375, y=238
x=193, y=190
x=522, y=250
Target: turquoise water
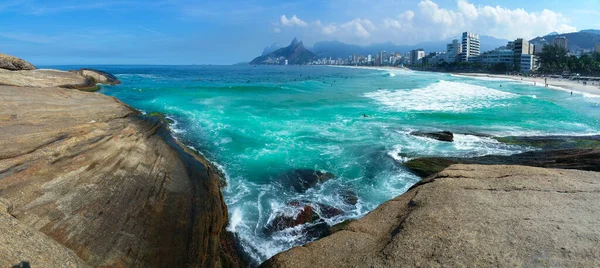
x=259, y=122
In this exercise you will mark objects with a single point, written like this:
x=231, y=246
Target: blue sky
x=229, y=31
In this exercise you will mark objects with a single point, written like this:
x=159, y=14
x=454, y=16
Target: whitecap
x=443, y=96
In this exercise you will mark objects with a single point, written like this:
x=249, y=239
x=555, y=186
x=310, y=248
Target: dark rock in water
x=313, y=213
x=303, y=179
x=440, y=136
x=12, y=63
x=581, y=159
x=348, y=196
x=553, y=142
x=98, y=76
x=281, y=222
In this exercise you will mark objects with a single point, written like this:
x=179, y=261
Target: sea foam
x=443, y=96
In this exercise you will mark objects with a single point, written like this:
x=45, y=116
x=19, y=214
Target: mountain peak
x=294, y=42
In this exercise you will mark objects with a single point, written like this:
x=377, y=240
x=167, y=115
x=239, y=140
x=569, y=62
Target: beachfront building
x=416, y=56
x=470, y=47
x=453, y=50
x=522, y=47
x=597, y=49
x=529, y=63
x=561, y=41
x=499, y=55
x=435, y=58
x=369, y=59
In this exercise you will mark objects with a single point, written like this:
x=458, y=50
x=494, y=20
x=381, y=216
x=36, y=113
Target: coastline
x=553, y=83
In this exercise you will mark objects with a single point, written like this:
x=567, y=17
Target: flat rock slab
x=472, y=216
x=91, y=174
x=44, y=78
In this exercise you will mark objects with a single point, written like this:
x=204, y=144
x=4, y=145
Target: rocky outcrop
x=440, y=136
x=46, y=78
x=97, y=76
x=109, y=185
x=471, y=216
x=582, y=159
x=27, y=247
x=12, y=63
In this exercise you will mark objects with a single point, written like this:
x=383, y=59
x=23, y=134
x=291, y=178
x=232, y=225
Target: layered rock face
x=12, y=63
x=471, y=216
x=106, y=184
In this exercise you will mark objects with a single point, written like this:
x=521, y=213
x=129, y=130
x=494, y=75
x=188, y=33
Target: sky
x=57, y=32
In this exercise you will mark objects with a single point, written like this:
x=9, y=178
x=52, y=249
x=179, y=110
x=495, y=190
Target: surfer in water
x=365, y=115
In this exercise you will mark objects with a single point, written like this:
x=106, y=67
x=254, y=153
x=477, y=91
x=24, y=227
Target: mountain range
x=295, y=53
x=585, y=39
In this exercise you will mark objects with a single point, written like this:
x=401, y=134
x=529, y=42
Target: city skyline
x=226, y=32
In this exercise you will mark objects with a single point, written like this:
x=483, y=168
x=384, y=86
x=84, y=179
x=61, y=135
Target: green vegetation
x=160, y=116
x=555, y=60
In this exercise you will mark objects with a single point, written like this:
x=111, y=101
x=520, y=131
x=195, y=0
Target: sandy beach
x=553, y=83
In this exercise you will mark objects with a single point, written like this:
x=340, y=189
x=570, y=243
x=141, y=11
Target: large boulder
x=99, y=77
x=471, y=216
x=12, y=63
x=116, y=189
x=46, y=78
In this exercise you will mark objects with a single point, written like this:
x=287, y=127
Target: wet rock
x=440, y=136
x=553, y=142
x=12, y=63
x=282, y=222
x=303, y=179
x=348, y=196
x=98, y=76
x=581, y=159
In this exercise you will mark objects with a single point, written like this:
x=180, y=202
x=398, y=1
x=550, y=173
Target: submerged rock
x=303, y=179
x=471, y=216
x=348, y=196
x=440, y=136
x=312, y=215
x=12, y=63
x=97, y=76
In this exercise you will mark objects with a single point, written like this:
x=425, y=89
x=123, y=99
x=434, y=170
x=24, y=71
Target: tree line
x=556, y=60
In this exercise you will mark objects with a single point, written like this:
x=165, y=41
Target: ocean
x=257, y=123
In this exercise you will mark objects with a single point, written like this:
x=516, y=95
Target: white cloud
x=293, y=21
x=276, y=30
x=429, y=22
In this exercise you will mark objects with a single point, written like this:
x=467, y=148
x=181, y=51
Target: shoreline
x=553, y=83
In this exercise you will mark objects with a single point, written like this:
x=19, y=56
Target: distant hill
x=590, y=31
x=337, y=49
x=586, y=39
x=271, y=48
x=295, y=53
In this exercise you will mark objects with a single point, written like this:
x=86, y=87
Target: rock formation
x=295, y=53
x=45, y=78
x=107, y=184
x=440, y=136
x=97, y=76
x=471, y=216
x=12, y=63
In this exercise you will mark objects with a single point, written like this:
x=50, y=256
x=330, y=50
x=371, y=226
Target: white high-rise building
x=369, y=58
x=561, y=41
x=470, y=47
x=416, y=56
x=452, y=51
